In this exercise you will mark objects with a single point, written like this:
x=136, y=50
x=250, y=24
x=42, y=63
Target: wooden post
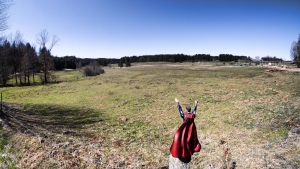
x=1, y=102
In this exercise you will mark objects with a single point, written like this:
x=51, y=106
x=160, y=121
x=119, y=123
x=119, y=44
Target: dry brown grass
x=127, y=118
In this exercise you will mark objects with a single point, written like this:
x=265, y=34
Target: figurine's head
x=188, y=108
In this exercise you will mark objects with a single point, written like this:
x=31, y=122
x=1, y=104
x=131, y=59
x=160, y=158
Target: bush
x=93, y=69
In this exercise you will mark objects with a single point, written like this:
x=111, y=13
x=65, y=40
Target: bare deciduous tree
x=45, y=53
x=55, y=39
x=5, y=68
x=295, y=52
x=4, y=15
x=43, y=38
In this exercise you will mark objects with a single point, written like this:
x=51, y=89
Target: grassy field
x=127, y=117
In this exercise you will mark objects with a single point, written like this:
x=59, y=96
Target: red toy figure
x=186, y=142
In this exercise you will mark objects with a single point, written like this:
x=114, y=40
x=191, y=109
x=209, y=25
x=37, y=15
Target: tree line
x=71, y=62
x=24, y=63
x=271, y=59
x=182, y=58
x=21, y=60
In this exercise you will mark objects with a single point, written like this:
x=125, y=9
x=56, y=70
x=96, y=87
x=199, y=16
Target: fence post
x=1, y=102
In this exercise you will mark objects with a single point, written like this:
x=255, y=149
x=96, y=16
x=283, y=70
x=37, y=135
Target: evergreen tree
x=120, y=64
x=5, y=67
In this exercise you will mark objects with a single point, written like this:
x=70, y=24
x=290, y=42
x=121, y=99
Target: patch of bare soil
x=280, y=69
x=293, y=70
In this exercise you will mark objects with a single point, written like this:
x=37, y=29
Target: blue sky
x=117, y=28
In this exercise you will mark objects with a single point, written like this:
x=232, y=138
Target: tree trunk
x=45, y=76
x=45, y=68
x=16, y=78
x=4, y=81
x=25, y=78
x=20, y=79
x=28, y=77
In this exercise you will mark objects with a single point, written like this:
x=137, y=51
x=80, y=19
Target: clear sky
x=117, y=28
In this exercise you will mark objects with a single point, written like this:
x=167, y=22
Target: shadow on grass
x=48, y=118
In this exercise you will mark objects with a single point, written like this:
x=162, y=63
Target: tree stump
x=175, y=163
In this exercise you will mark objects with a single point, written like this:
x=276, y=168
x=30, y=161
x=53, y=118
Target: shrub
x=93, y=69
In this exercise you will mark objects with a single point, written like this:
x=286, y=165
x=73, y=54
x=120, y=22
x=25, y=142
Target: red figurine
x=186, y=142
